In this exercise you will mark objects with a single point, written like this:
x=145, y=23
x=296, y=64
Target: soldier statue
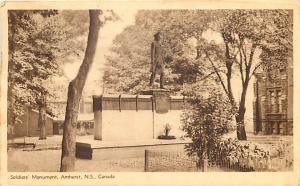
x=157, y=60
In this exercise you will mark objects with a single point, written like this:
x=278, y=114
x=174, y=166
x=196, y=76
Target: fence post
x=204, y=164
x=146, y=168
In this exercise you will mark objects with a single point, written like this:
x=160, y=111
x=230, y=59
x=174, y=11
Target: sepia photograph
x=150, y=90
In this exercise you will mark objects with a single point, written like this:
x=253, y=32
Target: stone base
x=155, y=92
x=161, y=98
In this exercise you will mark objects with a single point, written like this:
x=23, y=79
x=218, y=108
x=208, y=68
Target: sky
x=107, y=33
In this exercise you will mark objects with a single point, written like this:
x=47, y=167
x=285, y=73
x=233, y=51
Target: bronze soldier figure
x=157, y=60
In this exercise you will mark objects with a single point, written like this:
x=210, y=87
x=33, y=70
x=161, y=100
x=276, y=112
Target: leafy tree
x=126, y=68
x=75, y=90
x=277, y=50
x=35, y=44
x=245, y=33
x=130, y=55
x=41, y=42
x=76, y=29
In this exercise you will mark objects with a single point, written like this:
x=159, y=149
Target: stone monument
x=161, y=99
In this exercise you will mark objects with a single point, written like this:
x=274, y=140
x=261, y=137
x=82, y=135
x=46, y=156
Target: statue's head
x=157, y=36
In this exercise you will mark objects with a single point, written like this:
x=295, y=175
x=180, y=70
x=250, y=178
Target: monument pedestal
x=161, y=99
x=123, y=117
x=97, y=109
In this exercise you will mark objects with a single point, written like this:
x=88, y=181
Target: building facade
x=273, y=101
x=30, y=125
x=54, y=125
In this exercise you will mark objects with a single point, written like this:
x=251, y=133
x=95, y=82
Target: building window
x=279, y=98
x=275, y=101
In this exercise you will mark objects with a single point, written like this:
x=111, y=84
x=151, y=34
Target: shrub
x=206, y=123
x=234, y=150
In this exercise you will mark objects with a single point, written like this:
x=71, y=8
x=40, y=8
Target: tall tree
x=245, y=33
x=75, y=91
x=35, y=39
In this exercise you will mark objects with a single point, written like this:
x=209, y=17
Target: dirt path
x=115, y=159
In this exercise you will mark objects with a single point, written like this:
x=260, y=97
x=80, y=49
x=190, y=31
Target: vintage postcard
x=150, y=93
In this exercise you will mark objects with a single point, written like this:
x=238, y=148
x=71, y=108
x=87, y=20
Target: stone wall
x=135, y=117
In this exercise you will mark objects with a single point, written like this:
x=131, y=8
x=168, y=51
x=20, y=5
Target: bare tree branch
x=217, y=72
x=254, y=70
x=241, y=68
x=207, y=76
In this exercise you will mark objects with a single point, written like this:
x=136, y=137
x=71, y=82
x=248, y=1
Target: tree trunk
x=42, y=118
x=74, y=96
x=241, y=132
x=229, y=64
x=229, y=87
